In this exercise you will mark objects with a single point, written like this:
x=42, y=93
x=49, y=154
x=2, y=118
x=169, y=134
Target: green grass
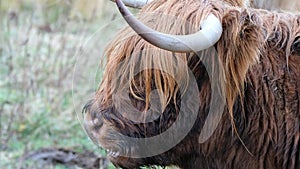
x=40, y=96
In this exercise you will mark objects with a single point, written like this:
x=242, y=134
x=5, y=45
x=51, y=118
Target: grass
x=48, y=70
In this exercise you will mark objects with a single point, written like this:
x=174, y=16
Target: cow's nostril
x=97, y=122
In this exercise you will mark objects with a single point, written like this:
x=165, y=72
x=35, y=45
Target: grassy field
x=49, y=68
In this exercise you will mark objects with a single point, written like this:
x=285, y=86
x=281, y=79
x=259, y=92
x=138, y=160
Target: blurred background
x=50, y=51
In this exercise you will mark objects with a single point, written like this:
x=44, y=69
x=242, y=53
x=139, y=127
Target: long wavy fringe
x=247, y=34
x=128, y=54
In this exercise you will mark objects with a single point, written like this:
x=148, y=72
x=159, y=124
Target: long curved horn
x=209, y=34
x=135, y=3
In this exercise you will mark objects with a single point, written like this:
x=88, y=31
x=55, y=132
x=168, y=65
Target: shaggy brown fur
x=260, y=54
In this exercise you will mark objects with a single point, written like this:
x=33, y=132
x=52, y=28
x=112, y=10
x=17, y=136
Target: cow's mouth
x=113, y=153
x=103, y=128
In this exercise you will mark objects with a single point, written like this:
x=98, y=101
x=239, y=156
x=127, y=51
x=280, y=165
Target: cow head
x=159, y=90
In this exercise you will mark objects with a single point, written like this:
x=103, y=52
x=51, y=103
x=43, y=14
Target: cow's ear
x=296, y=46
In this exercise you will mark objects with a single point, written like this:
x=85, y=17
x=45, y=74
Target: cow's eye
x=296, y=46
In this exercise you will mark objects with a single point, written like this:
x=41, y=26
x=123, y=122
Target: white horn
x=209, y=34
x=135, y=3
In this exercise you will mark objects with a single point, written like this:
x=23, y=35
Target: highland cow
x=222, y=92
